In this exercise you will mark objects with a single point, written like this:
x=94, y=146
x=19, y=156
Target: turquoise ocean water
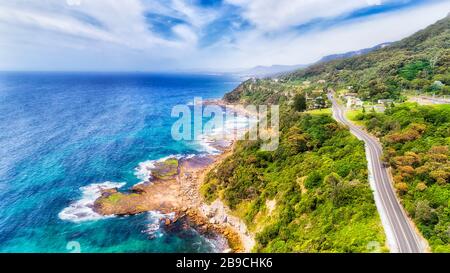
x=64, y=135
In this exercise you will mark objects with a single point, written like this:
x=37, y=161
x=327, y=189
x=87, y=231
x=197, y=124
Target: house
x=348, y=95
x=317, y=92
x=385, y=101
x=438, y=85
x=379, y=108
x=316, y=103
x=353, y=102
x=321, y=81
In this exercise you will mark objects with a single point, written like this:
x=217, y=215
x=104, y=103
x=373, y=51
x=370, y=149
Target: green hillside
x=316, y=181
x=418, y=63
x=318, y=176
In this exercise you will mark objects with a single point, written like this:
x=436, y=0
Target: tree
x=300, y=103
x=313, y=180
x=402, y=187
x=441, y=176
x=296, y=141
x=421, y=186
x=423, y=211
x=333, y=180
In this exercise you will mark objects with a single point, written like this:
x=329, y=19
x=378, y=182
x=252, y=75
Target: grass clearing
x=355, y=116
x=325, y=111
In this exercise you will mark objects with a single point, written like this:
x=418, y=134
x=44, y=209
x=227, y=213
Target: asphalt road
x=404, y=238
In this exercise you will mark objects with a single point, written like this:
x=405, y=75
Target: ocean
x=65, y=135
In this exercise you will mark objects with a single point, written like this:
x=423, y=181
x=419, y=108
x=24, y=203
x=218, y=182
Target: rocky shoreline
x=175, y=188
x=215, y=216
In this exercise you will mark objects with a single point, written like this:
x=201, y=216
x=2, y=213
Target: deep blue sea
x=62, y=135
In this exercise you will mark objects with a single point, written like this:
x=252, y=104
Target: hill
x=417, y=64
x=420, y=62
x=316, y=154
x=352, y=53
x=278, y=70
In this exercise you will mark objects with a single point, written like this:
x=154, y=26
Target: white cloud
x=195, y=17
x=198, y=17
x=56, y=36
x=186, y=33
x=122, y=22
x=52, y=22
x=273, y=15
x=184, y=10
x=254, y=48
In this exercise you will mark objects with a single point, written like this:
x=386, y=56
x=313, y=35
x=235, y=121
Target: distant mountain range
x=352, y=53
x=274, y=70
x=268, y=71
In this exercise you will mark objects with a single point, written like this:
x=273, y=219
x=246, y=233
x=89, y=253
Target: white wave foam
x=233, y=128
x=154, y=226
x=144, y=170
x=82, y=210
x=206, y=144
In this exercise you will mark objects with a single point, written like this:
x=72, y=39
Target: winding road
x=401, y=235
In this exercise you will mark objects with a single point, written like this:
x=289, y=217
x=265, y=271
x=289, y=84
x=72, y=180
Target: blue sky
x=206, y=35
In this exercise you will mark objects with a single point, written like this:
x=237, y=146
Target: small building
x=353, y=102
x=316, y=103
x=348, y=95
x=379, y=108
x=317, y=92
x=321, y=81
x=385, y=101
x=438, y=85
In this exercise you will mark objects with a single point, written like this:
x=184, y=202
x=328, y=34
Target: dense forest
x=317, y=181
x=416, y=140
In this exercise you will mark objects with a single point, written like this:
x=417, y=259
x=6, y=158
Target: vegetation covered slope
x=316, y=182
x=318, y=175
x=418, y=63
x=416, y=140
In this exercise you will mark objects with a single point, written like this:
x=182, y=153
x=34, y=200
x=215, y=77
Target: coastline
x=215, y=216
x=174, y=189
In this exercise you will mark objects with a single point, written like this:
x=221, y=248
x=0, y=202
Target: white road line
x=397, y=226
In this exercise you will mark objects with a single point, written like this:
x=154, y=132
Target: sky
x=198, y=35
